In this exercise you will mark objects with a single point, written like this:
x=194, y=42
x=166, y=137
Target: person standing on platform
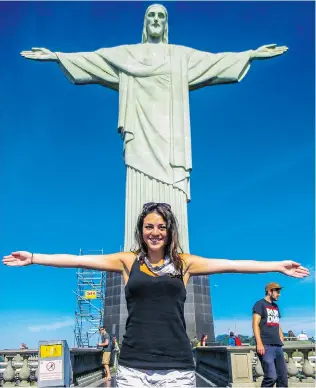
x=105, y=344
x=194, y=342
x=302, y=336
x=231, y=339
x=203, y=342
x=269, y=337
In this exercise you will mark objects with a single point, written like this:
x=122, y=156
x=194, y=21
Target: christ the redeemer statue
x=153, y=79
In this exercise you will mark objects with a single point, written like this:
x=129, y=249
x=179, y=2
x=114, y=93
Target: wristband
x=32, y=258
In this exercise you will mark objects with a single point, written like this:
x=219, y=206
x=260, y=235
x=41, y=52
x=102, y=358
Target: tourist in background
x=105, y=344
x=203, y=340
x=269, y=337
x=231, y=339
x=234, y=340
x=115, y=352
x=155, y=347
x=291, y=336
x=302, y=336
x=115, y=345
x=194, y=342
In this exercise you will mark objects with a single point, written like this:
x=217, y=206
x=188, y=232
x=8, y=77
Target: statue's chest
x=155, y=55
x=155, y=51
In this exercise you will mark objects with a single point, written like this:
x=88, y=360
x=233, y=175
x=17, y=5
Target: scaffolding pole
x=90, y=295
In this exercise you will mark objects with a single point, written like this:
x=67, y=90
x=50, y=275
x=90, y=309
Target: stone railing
x=238, y=366
x=225, y=366
x=20, y=367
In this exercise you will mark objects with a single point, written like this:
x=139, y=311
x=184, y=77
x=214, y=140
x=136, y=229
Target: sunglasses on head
x=148, y=205
x=277, y=290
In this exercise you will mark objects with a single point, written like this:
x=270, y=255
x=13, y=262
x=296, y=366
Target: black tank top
x=155, y=336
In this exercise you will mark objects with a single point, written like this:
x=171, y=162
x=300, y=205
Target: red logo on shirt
x=273, y=318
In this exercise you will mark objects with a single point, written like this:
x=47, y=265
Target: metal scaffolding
x=90, y=304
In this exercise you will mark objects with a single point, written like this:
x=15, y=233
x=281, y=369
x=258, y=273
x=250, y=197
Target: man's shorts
x=106, y=358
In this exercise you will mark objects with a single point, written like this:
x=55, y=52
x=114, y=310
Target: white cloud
x=298, y=320
x=52, y=325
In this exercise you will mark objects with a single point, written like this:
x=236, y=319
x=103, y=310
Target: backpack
x=237, y=341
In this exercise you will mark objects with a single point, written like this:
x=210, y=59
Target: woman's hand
x=291, y=268
x=18, y=259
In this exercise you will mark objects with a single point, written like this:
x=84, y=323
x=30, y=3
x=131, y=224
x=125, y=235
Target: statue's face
x=156, y=21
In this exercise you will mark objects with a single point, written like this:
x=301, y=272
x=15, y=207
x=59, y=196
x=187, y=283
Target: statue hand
x=40, y=54
x=268, y=51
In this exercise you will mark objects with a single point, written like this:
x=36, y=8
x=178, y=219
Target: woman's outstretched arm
x=197, y=265
x=114, y=262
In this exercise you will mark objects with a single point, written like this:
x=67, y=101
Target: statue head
x=155, y=24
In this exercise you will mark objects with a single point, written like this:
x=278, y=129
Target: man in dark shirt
x=105, y=344
x=269, y=337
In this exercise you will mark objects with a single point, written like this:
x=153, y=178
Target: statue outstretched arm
x=207, y=69
x=79, y=68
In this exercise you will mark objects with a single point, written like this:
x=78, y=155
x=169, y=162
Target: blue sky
x=63, y=175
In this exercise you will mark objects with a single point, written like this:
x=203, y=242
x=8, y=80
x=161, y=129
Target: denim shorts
x=132, y=377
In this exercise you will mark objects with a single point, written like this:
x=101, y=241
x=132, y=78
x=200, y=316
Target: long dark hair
x=172, y=247
x=203, y=338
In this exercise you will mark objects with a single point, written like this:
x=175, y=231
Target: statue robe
x=154, y=119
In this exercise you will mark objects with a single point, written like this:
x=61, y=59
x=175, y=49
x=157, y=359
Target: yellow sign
x=90, y=294
x=50, y=351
